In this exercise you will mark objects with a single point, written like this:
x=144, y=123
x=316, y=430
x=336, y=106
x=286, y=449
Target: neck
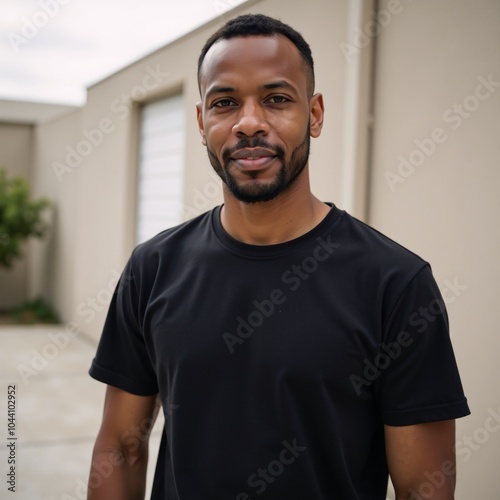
x=290, y=215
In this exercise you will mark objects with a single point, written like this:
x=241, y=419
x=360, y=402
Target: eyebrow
x=219, y=90
x=280, y=84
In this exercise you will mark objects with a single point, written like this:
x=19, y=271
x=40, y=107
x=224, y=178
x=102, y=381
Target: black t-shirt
x=278, y=365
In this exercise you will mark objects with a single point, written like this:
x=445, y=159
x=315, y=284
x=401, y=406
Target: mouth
x=253, y=163
x=254, y=158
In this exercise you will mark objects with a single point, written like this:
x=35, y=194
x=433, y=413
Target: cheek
x=291, y=129
x=216, y=135
x=295, y=139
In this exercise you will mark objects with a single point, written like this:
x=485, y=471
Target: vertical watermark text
x=11, y=437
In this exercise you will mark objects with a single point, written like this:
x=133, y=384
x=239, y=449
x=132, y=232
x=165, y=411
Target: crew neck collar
x=278, y=249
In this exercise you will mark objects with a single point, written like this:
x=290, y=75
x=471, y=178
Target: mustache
x=258, y=142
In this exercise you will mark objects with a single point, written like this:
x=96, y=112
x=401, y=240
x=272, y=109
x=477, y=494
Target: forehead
x=251, y=59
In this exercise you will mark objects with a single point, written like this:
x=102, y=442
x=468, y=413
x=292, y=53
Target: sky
x=51, y=50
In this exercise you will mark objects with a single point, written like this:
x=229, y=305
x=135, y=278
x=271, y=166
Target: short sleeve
x=122, y=358
x=419, y=379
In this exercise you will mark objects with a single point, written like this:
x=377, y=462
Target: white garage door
x=161, y=167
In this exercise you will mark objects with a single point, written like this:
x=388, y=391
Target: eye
x=278, y=99
x=223, y=103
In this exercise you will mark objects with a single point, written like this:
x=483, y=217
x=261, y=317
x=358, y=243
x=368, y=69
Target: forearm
x=421, y=460
x=427, y=490
x=112, y=475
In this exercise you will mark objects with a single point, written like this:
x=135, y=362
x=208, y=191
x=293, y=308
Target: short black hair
x=261, y=25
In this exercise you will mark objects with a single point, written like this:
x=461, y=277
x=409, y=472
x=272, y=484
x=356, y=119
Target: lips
x=252, y=153
x=253, y=157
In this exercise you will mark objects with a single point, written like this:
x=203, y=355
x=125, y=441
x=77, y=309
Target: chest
x=301, y=324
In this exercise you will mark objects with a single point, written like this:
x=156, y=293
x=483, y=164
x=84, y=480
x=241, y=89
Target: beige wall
x=431, y=57
x=52, y=261
x=16, y=157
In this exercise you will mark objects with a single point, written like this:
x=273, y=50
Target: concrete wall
x=16, y=157
x=53, y=261
x=445, y=205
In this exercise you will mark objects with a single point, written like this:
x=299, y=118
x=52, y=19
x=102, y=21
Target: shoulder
x=384, y=266
x=376, y=248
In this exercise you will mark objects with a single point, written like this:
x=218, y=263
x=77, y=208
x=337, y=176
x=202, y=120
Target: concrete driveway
x=58, y=407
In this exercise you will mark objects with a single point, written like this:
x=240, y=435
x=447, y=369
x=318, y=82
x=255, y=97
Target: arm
x=120, y=456
x=421, y=460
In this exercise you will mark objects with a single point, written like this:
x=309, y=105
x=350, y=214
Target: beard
x=262, y=191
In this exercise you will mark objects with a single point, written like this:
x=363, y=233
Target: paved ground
x=58, y=411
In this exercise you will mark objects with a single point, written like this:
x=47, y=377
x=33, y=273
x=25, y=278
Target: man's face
x=255, y=116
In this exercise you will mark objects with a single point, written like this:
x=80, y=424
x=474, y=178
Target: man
x=297, y=353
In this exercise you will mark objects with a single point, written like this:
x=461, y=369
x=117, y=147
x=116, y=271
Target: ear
x=316, y=114
x=199, y=118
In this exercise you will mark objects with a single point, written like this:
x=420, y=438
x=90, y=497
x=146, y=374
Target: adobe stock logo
x=382, y=361
x=293, y=279
x=30, y=27
x=420, y=320
x=362, y=37
x=59, y=340
x=454, y=117
x=464, y=448
x=264, y=476
x=93, y=138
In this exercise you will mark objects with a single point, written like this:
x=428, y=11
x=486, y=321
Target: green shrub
x=20, y=218
x=35, y=311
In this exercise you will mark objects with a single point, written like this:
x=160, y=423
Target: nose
x=251, y=121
